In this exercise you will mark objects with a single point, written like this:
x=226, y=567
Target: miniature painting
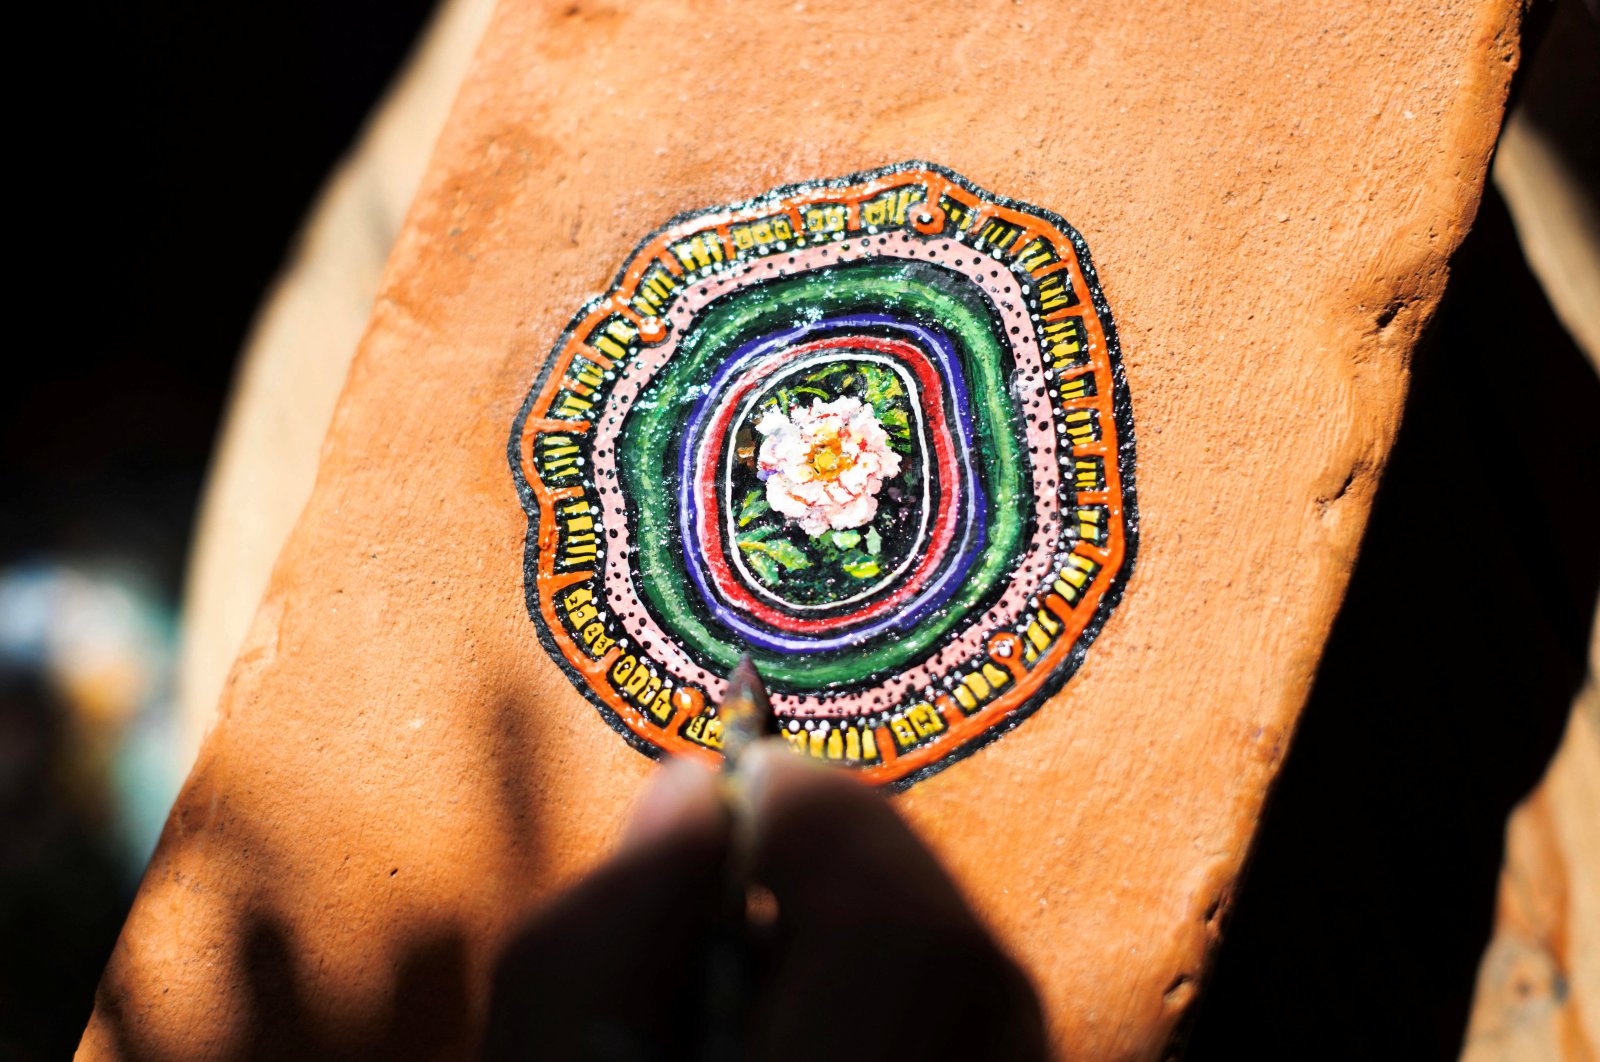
x=873, y=432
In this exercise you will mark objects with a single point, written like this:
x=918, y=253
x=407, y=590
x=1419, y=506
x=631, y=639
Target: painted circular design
x=724, y=516
x=873, y=432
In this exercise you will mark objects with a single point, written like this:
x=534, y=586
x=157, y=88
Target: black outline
x=1121, y=412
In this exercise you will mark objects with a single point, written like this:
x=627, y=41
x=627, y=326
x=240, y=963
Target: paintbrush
x=746, y=716
x=745, y=713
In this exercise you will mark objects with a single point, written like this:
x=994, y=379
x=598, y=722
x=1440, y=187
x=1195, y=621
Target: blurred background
x=163, y=208
x=159, y=204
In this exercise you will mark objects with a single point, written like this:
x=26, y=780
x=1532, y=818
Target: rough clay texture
x=399, y=771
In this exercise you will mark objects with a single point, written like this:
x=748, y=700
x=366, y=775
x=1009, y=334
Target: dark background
x=171, y=150
x=161, y=201
x=165, y=191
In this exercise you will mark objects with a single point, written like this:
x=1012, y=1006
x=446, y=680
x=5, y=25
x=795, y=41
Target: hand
x=871, y=953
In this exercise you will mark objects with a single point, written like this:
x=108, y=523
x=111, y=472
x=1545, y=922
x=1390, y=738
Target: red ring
x=709, y=535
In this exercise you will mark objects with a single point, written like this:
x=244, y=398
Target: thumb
x=870, y=931
x=598, y=973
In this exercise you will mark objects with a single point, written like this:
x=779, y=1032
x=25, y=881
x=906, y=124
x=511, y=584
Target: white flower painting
x=825, y=464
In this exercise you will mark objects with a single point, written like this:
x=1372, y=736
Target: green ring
x=656, y=419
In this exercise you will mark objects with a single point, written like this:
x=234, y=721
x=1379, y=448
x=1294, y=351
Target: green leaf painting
x=834, y=564
x=755, y=503
x=859, y=565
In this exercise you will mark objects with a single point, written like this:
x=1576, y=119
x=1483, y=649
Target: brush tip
x=746, y=709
